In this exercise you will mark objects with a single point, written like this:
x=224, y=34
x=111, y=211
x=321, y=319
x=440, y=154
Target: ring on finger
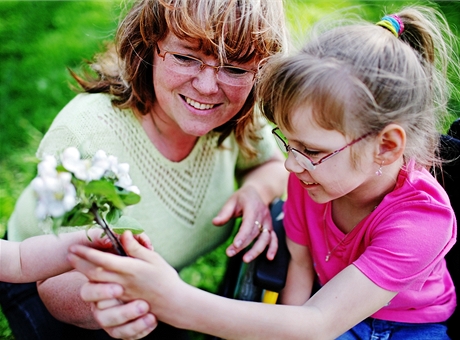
x=265, y=230
x=259, y=226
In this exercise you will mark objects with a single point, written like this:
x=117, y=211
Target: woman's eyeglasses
x=305, y=161
x=191, y=66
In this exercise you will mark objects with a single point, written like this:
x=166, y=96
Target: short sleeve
x=295, y=223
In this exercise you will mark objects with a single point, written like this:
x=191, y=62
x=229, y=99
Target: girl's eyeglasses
x=305, y=161
x=191, y=66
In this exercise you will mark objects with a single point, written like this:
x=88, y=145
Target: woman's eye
x=234, y=71
x=183, y=59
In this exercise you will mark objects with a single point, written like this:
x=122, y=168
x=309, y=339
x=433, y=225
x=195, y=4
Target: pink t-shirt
x=400, y=246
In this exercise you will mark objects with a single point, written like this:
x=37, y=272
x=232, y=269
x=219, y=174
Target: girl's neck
x=170, y=140
x=349, y=210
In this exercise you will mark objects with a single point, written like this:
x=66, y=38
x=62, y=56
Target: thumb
x=226, y=213
x=133, y=248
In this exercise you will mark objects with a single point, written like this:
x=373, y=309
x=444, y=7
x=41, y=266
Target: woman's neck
x=169, y=139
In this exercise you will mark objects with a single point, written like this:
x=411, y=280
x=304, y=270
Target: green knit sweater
x=178, y=199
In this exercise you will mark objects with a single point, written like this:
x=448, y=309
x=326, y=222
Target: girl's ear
x=392, y=142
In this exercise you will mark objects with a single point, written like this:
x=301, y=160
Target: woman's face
x=195, y=104
x=338, y=176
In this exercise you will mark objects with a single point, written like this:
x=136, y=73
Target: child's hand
x=98, y=241
x=145, y=275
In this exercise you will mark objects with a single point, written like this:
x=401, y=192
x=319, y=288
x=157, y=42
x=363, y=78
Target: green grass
x=40, y=39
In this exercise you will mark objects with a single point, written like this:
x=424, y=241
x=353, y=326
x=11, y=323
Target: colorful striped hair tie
x=393, y=23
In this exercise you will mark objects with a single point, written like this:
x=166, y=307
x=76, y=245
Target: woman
x=173, y=97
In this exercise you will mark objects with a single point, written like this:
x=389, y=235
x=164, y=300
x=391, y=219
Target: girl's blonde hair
x=232, y=30
x=358, y=78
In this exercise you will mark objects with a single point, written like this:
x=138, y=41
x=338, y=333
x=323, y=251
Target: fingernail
x=142, y=307
x=116, y=291
x=149, y=320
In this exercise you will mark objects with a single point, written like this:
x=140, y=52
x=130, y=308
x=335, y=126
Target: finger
x=227, y=212
x=273, y=246
x=98, y=258
x=94, y=292
x=134, y=249
x=246, y=234
x=259, y=246
x=136, y=329
x=93, y=271
x=104, y=304
x=121, y=314
x=144, y=240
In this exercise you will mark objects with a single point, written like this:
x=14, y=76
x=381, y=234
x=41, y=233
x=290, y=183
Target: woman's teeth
x=309, y=183
x=199, y=106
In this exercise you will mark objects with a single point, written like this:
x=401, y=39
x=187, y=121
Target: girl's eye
x=311, y=153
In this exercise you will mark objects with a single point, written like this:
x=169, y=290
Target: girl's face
x=337, y=176
x=195, y=104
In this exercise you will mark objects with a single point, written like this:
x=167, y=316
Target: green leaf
x=113, y=215
x=127, y=223
x=79, y=218
x=105, y=189
x=128, y=197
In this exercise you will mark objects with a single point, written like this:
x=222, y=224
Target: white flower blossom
x=123, y=179
x=47, y=167
x=56, y=195
x=85, y=169
x=55, y=191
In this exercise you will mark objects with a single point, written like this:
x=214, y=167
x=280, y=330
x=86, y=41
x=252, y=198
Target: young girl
x=40, y=257
x=357, y=111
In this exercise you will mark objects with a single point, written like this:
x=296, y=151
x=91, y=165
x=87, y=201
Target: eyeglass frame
x=322, y=160
x=203, y=65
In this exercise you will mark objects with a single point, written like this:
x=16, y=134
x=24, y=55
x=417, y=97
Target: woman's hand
x=256, y=223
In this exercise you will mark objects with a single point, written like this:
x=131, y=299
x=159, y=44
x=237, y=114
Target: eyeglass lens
x=231, y=75
x=299, y=157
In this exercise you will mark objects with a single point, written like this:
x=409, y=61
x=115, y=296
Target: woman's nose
x=206, y=81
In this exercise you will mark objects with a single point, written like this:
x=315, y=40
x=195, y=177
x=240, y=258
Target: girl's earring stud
x=379, y=171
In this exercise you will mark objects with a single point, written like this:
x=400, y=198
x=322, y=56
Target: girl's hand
x=96, y=240
x=119, y=286
x=256, y=223
x=145, y=275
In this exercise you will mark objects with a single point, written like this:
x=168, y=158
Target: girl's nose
x=206, y=81
x=292, y=165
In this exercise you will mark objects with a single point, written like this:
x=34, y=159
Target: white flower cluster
x=56, y=193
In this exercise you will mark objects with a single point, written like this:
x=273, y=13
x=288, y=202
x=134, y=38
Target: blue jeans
x=374, y=329
x=30, y=320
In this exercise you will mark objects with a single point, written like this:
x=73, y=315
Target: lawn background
x=39, y=40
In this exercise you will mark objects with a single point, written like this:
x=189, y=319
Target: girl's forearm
x=203, y=312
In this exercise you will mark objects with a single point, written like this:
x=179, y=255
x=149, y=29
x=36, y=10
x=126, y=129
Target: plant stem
x=115, y=242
